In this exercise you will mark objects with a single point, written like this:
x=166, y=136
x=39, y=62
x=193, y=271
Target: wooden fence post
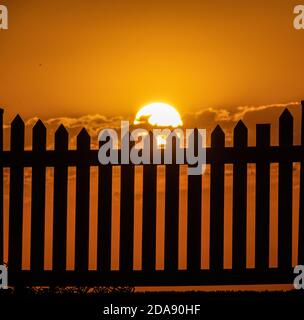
x=239, y=199
x=285, y=193
x=38, y=199
x=301, y=207
x=60, y=201
x=262, y=200
x=1, y=189
x=149, y=211
x=127, y=215
x=194, y=218
x=217, y=201
x=82, y=204
x=16, y=196
x=104, y=216
x=61, y=158
x=171, y=211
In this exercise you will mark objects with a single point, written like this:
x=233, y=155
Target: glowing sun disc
x=158, y=114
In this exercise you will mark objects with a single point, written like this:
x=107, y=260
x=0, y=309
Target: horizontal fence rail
x=217, y=155
x=229, y=155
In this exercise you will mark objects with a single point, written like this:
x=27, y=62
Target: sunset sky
x=72, y=58
x=90, y=63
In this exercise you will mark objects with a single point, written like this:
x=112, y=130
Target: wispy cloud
x=212, y=116
x=206, y=118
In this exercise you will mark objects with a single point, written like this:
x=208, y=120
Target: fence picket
x=171, y=210
x=239, y=200
x=104, y=216
x=60, y=202
x=262, y=200
x=149, y=212
x=38, y=200
x=217, y=155
x=301, y=207
x=194, y=211
x=127, y=216
x=1, y=190
x=217, y=201
x=285, y=194
x=82, y=205
x=16, y=197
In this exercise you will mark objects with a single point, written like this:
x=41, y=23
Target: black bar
x=156, y=278
x=229, y=156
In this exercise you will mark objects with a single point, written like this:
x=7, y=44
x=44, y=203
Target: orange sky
x=70, y=58
x=89, y=63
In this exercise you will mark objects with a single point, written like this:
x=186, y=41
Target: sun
x=159, y=114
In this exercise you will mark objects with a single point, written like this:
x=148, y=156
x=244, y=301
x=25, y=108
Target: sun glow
x=158, y=114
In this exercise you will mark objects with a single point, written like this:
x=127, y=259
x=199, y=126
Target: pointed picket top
x=61, y=131
x=17, y=134
x=104, y=138
x=194, y=138
x=39, y=136
x=83, y=140
x=195, y=134
x=240, y=135
x=39, y=126
x=172, y=142
x=286, y=115
x=174, y=138
x=286, y=128
x=151, y=139
x=131, y=142
x=61, y=138
x=152, y=136
x=218, y=137
x=17, y=122
x=240, y=127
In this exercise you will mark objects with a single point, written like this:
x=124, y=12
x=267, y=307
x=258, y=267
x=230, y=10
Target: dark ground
x=243, y=305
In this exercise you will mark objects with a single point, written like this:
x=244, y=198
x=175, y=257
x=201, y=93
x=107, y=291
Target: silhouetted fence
x=263, y=154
